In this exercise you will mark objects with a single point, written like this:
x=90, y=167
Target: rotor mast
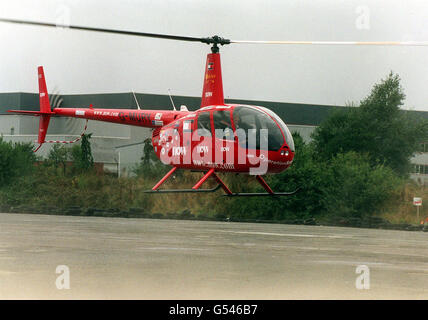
x=212, y=92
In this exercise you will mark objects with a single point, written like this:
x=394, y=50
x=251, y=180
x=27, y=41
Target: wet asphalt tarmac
x=114, y=258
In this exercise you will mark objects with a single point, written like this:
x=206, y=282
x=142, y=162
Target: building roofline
x=291, y=113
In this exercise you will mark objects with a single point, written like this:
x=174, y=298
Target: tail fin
x=212, y=93
x=45, y=107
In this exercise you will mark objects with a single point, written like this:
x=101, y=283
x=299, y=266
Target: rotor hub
x=215, y=41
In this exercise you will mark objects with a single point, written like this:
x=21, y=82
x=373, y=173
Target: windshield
x=284, y=128
x=252, y=121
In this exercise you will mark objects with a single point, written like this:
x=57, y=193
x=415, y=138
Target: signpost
x=418, y=203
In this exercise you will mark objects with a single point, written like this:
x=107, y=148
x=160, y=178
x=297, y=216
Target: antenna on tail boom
x=170, y=98
x=136, y=101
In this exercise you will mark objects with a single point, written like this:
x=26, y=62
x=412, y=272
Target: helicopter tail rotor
x=45, y=109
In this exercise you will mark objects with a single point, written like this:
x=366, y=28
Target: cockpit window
x=223, y=125
x=204, y=124
x=252, y=121
x=288, y=136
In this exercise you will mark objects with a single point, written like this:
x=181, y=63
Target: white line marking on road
x=292, y=235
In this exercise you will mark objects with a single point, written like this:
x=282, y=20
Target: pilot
x=228, y=132
x=224, y=124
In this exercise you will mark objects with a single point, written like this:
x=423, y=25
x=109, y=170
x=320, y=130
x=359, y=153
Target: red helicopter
x=218, y=137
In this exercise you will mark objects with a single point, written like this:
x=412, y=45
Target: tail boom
x=141, y=118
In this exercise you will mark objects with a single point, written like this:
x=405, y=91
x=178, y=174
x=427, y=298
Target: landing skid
x=260, y=194
x=183, y=190
x=195, y=189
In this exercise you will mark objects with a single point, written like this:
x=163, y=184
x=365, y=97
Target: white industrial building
x=120, y=147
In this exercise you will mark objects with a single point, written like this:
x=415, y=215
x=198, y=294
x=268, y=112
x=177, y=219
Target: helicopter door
x=185, y=142
x=202, y=142
x=223, y=139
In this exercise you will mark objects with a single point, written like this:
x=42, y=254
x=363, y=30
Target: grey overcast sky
x=84, y=62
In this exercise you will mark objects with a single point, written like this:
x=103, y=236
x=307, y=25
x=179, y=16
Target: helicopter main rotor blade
x=124, y=32
x=335, y=43
x=216, y=39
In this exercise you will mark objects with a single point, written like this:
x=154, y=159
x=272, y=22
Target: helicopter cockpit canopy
x=255, y=127
x=252, y=121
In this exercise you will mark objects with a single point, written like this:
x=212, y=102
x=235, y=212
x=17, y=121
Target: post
x=417, y=201
x=118, y=165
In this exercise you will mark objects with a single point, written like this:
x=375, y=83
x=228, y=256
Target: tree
x=58, y=156
x=149, y=155
x=150, y=166
x=378, y=127
x=82, y=155
x=87, y=160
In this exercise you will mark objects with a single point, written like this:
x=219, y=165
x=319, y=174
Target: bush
x=305, y=174
x=15, y=160
x=355, y=188
x=346, y=186
x=58, y=157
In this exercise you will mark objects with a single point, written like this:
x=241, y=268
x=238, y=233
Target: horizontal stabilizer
x=31, y=113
